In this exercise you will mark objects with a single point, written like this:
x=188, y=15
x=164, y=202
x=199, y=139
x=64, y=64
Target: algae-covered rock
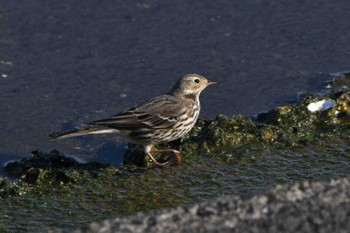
x=46, y=175
x=51, y=160
x=341, y=113
x=339, y=91
x=8, y=188
x=49, y=168
x=340, y=82
x=225, y=133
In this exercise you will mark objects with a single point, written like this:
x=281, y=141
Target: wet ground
x=65, y=63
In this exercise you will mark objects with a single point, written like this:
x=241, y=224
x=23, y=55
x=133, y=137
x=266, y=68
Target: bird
x=164, y=118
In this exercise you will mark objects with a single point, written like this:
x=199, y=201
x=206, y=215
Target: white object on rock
x=321, y=105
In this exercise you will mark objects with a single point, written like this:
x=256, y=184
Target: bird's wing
x=158, y=113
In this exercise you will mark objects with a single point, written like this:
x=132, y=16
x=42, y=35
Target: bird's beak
x=211, y=83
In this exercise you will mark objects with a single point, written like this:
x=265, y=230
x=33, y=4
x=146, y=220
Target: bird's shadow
x=112, y=153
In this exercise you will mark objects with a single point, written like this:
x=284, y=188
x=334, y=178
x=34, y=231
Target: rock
x=309, y=206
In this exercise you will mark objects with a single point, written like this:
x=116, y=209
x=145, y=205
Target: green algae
x=2, y=230
x=227, y=155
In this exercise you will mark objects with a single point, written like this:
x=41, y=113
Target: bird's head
x=191, y=84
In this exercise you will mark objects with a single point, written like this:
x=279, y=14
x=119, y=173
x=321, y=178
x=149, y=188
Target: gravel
x=308, y=206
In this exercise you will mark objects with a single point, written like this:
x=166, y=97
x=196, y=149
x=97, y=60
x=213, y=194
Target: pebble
x=321, y=105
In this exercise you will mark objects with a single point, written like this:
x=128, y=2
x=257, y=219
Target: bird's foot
x=176, y=153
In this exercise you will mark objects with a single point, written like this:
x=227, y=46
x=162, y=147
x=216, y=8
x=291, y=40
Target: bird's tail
x=91, y=129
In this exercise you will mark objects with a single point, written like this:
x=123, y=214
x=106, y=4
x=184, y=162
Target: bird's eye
x=196, y=80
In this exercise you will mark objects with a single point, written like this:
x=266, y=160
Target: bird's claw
x=176, y=153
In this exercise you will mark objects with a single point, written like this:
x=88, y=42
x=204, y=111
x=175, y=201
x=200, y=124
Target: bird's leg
x=175, y=152
x=155, y=162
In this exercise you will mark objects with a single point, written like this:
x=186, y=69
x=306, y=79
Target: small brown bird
x=162, y=119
